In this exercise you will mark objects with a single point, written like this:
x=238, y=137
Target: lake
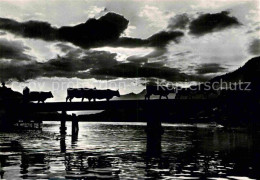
x=119, y=151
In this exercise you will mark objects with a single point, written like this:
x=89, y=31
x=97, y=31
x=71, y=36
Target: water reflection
x=153, y=145
x=74, y=139
x=112, y=150
x=63, y=143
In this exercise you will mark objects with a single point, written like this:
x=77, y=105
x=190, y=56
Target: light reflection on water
x=119, y=150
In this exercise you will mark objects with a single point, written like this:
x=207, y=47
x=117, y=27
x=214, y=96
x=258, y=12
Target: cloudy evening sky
x=84, y=43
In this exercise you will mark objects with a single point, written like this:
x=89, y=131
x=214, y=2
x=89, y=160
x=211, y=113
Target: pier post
x=63, y=143
x=74, y=125
x=63, y=127
x=74, y=129
x=154, y=132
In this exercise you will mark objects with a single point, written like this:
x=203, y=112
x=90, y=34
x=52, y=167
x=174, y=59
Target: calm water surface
x=119, y=150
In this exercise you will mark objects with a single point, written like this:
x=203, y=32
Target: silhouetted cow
x=91, y=94
x=104, y=94
x=75, y=93
x=158, y=90
x=39, y=96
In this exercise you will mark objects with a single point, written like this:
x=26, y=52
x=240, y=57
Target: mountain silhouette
x=250, y=72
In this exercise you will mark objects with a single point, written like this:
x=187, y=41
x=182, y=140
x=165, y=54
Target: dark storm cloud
x=104, y=31
x=149, y=70
x=162, y=38
x=92, y=33
x=13, y=50
x=158, y=40
x=210, y=68
x=130, y=42
x=90, y=64
x=96, y=64
x=178, y=22
x=18, y=71
x=208, y=23
x=95, y=33
x=58, y=67
x=254, y=47
x=29, y=29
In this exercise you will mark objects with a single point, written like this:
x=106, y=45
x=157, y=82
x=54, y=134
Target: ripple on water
x=107, y=150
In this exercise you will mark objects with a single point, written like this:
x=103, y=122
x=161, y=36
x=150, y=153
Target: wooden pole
x=74, y=126
x=63, y=127
x=154, y=132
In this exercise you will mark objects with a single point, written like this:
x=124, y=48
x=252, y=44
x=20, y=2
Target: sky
x=51, y=45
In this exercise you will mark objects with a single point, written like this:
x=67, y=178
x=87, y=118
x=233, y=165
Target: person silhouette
x=3, y=85
x=26, y=92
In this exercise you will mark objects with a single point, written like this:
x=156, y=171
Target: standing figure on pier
x=3, y=85
x=26, y=92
